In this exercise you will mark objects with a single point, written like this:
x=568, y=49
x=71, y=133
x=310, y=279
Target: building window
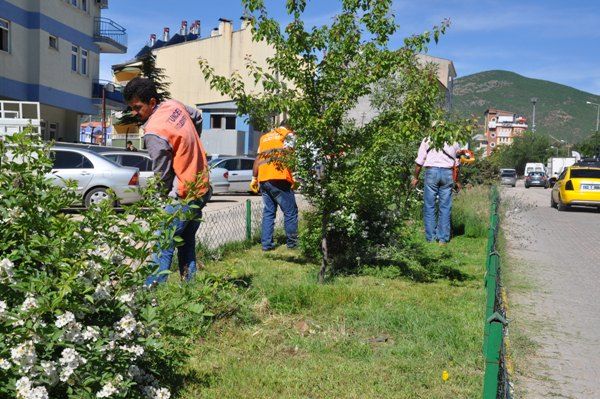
x=4, y=35
x=74, y=57
x=43, y=129
x=84, y=6
x=53, y=131
x=53, y=42
x=230, y=122
x=74, y=2
x=215, y=121
x=84, y=62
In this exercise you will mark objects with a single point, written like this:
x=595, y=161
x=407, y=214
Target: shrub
x=75, y=320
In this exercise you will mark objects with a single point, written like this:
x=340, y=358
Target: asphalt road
x=223, y=201
x=555, y=258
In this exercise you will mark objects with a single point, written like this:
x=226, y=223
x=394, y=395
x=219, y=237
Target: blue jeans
x=438, y=182
x=185, y=226
x=273, y=194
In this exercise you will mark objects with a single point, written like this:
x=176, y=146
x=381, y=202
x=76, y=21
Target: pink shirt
x=435, y=158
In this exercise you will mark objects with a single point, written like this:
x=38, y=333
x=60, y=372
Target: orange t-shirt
x=269, y=149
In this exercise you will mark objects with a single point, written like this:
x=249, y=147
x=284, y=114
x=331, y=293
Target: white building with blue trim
x=50, y=53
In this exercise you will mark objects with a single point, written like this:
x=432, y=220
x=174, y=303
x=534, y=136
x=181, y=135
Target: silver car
x=240, y=171
x=94, y=175
x=508, y=177
x=219, y=182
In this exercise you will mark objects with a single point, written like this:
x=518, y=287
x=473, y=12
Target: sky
x=556, y=40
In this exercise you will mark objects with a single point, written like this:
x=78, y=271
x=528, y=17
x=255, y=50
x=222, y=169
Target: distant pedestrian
x=276, y=185
x=130, y=146
x=179, y=160
x=441, y=176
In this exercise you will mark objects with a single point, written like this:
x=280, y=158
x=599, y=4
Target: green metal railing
x=496, y=383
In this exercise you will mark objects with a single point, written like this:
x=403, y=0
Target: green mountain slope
x=561, y=110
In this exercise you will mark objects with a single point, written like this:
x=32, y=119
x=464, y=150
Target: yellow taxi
x=576, y=185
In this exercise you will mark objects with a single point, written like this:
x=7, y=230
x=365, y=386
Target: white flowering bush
x=75, y=318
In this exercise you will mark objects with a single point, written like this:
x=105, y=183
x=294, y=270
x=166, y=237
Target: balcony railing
x=110, y=36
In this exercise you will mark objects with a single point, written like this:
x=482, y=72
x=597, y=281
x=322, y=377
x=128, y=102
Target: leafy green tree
x=530, y=147
x=590, y=146
x=316, y=76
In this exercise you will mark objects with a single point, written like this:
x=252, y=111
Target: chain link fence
x=236, y=223
x=498, y=367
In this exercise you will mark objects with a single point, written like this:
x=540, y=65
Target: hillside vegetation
x=561, y=110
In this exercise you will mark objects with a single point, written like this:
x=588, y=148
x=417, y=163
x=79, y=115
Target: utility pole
x=533, y=101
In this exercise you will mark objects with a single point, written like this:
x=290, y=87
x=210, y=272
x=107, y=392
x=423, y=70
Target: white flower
x=24, y=355
x=136, y=350
x=25, y=390
x=70, y=359
x=73, y=333
x=4, y=364
x=102, y=291
x=6, y=270
x=3, y=307
x=156, y=393
x=50, y=371
x=107, y=390
x=126, y=326
x=127, y=298
x=64, y=319
x=29, y=304
x=91, y=334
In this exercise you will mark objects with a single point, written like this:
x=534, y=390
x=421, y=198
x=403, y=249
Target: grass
x=355, y=337
x=470, y=212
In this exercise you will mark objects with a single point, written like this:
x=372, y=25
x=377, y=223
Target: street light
x=533, y=101
x=109, y=87
x=597, y=123
x=556, y=148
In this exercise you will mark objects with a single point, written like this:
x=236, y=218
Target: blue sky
x=556, y=40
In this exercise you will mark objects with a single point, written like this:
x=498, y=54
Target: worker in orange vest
x=179, y=161
x=276, y=185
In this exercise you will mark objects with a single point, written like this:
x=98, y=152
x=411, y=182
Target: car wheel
x=561, y=207
x=552, y=203
x=514, y=185
x=96, y=196
x=526, y=186
x=209, y=194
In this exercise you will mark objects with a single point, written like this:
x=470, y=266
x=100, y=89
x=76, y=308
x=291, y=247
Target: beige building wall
x=226, y=52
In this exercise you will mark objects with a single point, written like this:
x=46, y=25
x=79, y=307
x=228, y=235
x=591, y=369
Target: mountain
x=561, y=111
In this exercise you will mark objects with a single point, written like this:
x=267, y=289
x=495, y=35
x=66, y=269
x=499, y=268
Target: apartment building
x=50, y=53
x=501, y=127
x=227, y=51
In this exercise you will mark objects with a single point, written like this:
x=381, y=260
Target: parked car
x=219, y=177
x=576, y=185
x=94, y=175
x=508, y=176
x=536, y=179
x=240, y=171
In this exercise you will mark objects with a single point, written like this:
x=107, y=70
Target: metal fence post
x=248, y=220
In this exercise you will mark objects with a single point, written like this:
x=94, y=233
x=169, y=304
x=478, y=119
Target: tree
x=590, y=146
x=530, y=147
x=316, y=76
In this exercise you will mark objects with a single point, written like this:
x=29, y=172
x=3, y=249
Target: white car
x=94, y=175
x=240, y=171
x=219, y=178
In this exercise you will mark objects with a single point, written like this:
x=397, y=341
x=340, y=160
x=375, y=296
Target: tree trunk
x=324, y=249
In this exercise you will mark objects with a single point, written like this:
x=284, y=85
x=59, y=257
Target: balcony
x=110, y=36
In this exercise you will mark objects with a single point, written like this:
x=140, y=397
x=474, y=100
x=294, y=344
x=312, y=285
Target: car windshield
x=536, y=174
x=509, y=173
x=213, y=161
x=585, y=173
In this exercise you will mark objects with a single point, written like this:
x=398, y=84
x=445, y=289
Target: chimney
x=246, y=21
x=225, y=26
x=197, y=22
x=166, y=34
x=184, y=28
x=214, y=32
x=152, y=40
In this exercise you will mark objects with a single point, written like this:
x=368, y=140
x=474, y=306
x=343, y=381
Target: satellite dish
x=576, y=155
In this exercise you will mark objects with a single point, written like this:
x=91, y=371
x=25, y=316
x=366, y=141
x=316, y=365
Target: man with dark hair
x=130, y=146
x=179, y=160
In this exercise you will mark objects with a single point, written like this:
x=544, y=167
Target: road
x=222, y=201
x=557, y=256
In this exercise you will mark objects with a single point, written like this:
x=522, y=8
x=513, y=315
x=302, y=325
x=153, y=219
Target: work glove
x=254, y=185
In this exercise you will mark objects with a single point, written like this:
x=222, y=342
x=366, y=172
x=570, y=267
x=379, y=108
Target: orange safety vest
x=172, y=122
x=271, y=169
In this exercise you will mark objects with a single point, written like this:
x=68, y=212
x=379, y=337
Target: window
x=230, y=122
x=74, y=2
x=140, y=162
x=84, y=5
x=112, y=157
x=84, y=62
x=43, y=129
x=52, y=130
x=215, y=121
x=585, y=173
x=4, y=35
x=229, y=164
x=53, y=42
x=74, y=56
x=70, y=160
x=247, y=164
